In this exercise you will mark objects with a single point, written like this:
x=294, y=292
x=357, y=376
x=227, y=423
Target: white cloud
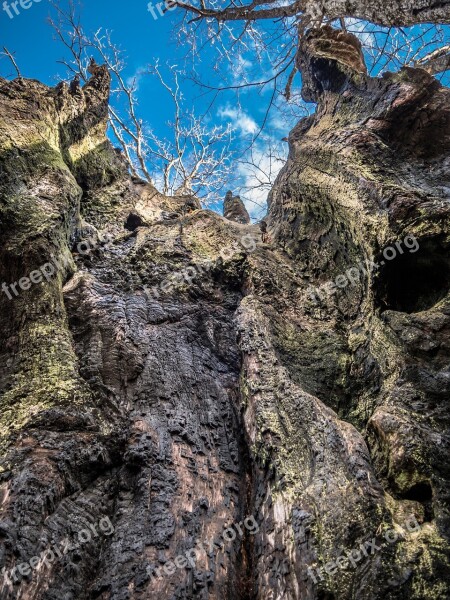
x=135, y=79
x=239, y=68
x=240, y=120
x=256, y=179
x=359, y=28
x=277, y=123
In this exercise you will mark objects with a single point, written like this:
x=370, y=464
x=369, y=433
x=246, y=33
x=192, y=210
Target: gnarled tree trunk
x=171, y=383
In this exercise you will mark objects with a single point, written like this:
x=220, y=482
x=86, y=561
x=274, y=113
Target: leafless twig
x=7, y=53
x=195, y=160
x=436, y=62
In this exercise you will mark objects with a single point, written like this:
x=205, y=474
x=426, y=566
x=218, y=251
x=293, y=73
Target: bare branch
x=395, y=13
x=196, y=158
x=250, y=12
x=127, y=129
x=435, y=62
x=7, y=53
x=288, y=88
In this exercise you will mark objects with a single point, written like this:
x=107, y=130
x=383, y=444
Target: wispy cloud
x=359, y=28
x=257, y=173
x=239, y=69
x=278, y=123
x=240, y=120
x=135, y=79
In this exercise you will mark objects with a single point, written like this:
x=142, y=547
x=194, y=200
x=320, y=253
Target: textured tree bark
x=166, y=383
x=395, y=13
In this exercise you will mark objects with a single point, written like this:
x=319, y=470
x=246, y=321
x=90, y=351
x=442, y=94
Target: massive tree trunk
x=142, y=416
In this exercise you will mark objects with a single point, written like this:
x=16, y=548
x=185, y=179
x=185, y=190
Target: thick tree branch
x=381, y=12
x=243, y=13
x=436, y=62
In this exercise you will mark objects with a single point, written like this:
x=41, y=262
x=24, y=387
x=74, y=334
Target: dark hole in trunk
x=413, y=279
x=133, y=222
x=423, y=493
x=420, y=492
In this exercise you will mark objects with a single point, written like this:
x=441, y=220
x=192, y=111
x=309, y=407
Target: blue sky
x=146, y=40
x=142, y=38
